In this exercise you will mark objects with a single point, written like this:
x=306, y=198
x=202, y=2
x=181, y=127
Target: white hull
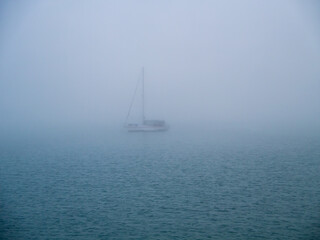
x=146, y=128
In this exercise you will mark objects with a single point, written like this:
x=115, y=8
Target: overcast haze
x=253, y=64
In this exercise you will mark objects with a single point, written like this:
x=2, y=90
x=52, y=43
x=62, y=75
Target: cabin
x=154, y=123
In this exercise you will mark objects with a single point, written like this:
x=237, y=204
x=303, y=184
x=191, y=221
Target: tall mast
x=143, y=116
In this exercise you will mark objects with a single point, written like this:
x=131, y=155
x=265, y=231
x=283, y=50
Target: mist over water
x=237, y=81
x=239, y=64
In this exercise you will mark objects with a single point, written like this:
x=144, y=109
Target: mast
x=143, y=116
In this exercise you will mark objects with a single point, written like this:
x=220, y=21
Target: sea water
x=111, y=184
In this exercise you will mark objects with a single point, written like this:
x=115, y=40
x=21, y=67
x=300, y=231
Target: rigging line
x=133, y=97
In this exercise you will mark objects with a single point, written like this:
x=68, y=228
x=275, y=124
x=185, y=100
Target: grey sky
x=253, y=63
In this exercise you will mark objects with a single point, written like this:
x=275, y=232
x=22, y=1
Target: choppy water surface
x=173, y=185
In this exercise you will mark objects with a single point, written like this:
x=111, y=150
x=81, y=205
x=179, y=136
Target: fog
x=246, y=64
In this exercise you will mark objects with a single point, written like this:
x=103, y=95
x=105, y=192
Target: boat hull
x=145, y=128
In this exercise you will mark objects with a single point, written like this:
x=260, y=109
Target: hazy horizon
x=243, y=64
x=238, y=83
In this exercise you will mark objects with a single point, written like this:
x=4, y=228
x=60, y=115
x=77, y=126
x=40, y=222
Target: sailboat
x=145, y=125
